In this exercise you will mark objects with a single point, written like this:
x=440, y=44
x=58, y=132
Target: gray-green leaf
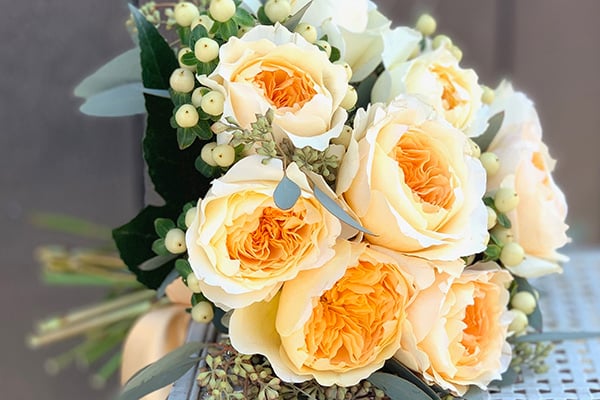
x=156, y=262
x=494, y=125
x=286, y=193
x=555, y=336
x=336, y=210
x=397, y=388
x=119, y=101
x=295, y=19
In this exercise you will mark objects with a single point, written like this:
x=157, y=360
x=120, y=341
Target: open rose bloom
x=330, y=196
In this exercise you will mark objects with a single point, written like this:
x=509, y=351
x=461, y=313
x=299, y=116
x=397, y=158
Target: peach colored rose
x=436, y=77
x=242, y=247
x=272, y=68
x=336, y=324
x=538, y=222
x=410, y=179
x=459, y=329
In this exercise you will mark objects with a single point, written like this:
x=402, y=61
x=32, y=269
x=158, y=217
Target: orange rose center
x=450, y=96
x=352, y=319
x=424, y=170
x=265, y=243
x=476, y=321
x=537, y=160
x=285, y=88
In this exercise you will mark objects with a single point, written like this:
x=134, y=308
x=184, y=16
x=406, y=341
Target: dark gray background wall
x=54, y=159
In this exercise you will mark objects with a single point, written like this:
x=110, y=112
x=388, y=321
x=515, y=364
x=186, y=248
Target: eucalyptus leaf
x=336, y=210
x=397, y=368
x=364, y=91
x=119, y=101
x=156, y=262
x=123, y=69
x=509, y=377
x=494, y=125
x=397, y=388
x=475, y=393
x=173, y=275
x=158, y=93
x=163, y=372
x=286, y=193
x=555, y=336
x=295, y=19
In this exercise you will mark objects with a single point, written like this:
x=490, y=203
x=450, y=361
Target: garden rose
x=436, y=77
x=242, y=247
x=336, y=324
x=411, y=181
x=272, y=68
x=538, y=222
x=459, y=329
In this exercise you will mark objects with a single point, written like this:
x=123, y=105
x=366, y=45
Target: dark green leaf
x=224, y=30
x=364, y=91
x=156, y=262
x=489, y=201
x=294, y=20
x=503, y=220
x=189, y=59
x=494, y=125
x=492, y=252
x=134, y=241
x=535, y=318
x=198, y=33
x=555, y=336
x=162, y=226
x=207, y=68
x=158, y=247
x=335, y=54
x=243, y=17
x=202, y=130
x=286, y=193
x=160, y=292
x=207, y=170
x=183, y=267
x=397, y=388
x=262, y=17
x=157, y=58
x=185, y=137
x=179, y=98
x=336, y=210
x=509, y=377
x=184, y=33
x=397, y=368
x=163, y=372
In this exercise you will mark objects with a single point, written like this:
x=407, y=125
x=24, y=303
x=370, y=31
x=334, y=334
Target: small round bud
x=224, y=155
x=180, y=54
x=456, y=52
x=344, y=138
x=426, y=24
x=524, y=301
x=203, y=313
x=350, y=98
x=475, y=150
x=512, y=254
x=182, y=80
x=441, y=41
x=519, y=323
x=206, y=154
x=278, y=10
x=212, y=103
x=490, y=162
x=346, y=66
x=206, y=49
x=189, y=216
x=506, y=199
x=488, y=95
x=187, y=116
x=185, y=12
x=203, y=20
x=175, y=241
x=502, y=234
x=193, y=283
x=222, y=10
x=325, y=46
x=492, y=218
x=197, y=97
x=307, y=31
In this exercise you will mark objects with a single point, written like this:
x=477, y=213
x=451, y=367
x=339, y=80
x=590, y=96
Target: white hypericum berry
x=456, y=52
x=346, y=66
x=203, y=20
x=189, y=216
x=475, y=149
x=206, y=154
x=519, y=322
x=187, y=116
x=185, y=12
x=307, y=31
x=488, y=95
x=212, y=103
x=490, y=162
x=492, y=218
x=193, y=283
x=512, y=254
x=350, y=98
x=197, y=97
x=182, y=80
x=206, y=49
x=175, y=241
x=323, y=44
x=222, y=10
x=278, y=10
x=344, y=138
x=224, y=155
x=441, y=41
x=506, y=199
x=524, y=301
x=203, y=312
x=183, y=51
x=426, y=24
x=502, y=234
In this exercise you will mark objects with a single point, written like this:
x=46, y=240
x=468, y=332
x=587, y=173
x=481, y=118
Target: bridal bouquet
x=342, y=197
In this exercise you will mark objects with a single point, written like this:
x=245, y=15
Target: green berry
x=426, y=24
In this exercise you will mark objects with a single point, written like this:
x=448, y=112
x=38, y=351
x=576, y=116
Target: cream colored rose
x=242, y=247
x=336, y=324
x=538, y=222
x=437, y=78
x=459, y=329
x=272, y=68
x=411, y=181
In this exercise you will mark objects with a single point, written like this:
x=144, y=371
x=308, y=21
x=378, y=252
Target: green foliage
x=286, y=193
x=208, y=171
x=243, y=17
x=397, y=388
x=335, y=54
x=224, y=30
x=262, y=17
x=503, y=220
x=162, y=226
x=397, y=368
x=183, y=267
x=494, y=125
x=295, y=19
x=535, y=318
